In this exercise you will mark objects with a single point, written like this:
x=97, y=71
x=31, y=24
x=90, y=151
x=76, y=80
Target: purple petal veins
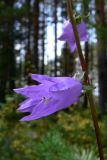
x=54, y=94
x=68, y=35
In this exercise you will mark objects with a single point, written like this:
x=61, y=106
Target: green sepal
x=88, y=88
x=78, y=19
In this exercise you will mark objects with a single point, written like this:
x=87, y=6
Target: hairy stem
x=87, y=81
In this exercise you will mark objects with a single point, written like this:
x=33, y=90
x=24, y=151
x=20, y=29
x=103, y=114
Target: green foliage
x=77, y=124
x=54, y=146
x=85, y=155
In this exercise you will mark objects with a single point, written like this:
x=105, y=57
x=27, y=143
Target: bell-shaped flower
x=51, y=95
x=68, y=34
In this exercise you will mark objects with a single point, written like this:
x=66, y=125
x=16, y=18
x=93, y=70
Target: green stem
x=87, y=81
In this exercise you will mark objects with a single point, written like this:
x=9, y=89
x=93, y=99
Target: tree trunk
x=28, y=56
x=102, y=53
x=55, y=16
x=85, y=12
x=36, y=34
x=10, y=49
x=43, y=39
x=7, y=57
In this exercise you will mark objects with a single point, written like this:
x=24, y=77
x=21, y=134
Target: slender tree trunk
x=43, y=39
x=36, y=34
x=7, y=58
x=29, y=25
x=55, y=15
x=28, y=56
x=85, y=12
x=65, y=60
x=102, y=53
x=11, y=59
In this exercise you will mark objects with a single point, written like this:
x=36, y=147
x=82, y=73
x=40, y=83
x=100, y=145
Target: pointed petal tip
x=60, y=37
x=19, y=91
x=32, y=75
x=27, y=118
x=16, y=90
x=72, y=47
x=17, y=110
x=23, y=119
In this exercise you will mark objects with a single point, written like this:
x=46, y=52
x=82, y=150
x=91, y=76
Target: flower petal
x=82, y=32
x=63, y=83
x=35, y=91
x=62, y=37
x=68, y=34
x=41, y=78
x=72, y=46
x=60, y=100
x=42, y=110
x=27, y=105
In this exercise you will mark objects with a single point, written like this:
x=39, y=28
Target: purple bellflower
x=68, y=34
x=51, y=95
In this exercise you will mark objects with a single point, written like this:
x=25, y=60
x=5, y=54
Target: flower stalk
x=86, y=80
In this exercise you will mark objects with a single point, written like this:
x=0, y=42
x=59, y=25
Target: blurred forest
x=28, y=44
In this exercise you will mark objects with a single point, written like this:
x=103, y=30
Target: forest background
x=29, y=44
